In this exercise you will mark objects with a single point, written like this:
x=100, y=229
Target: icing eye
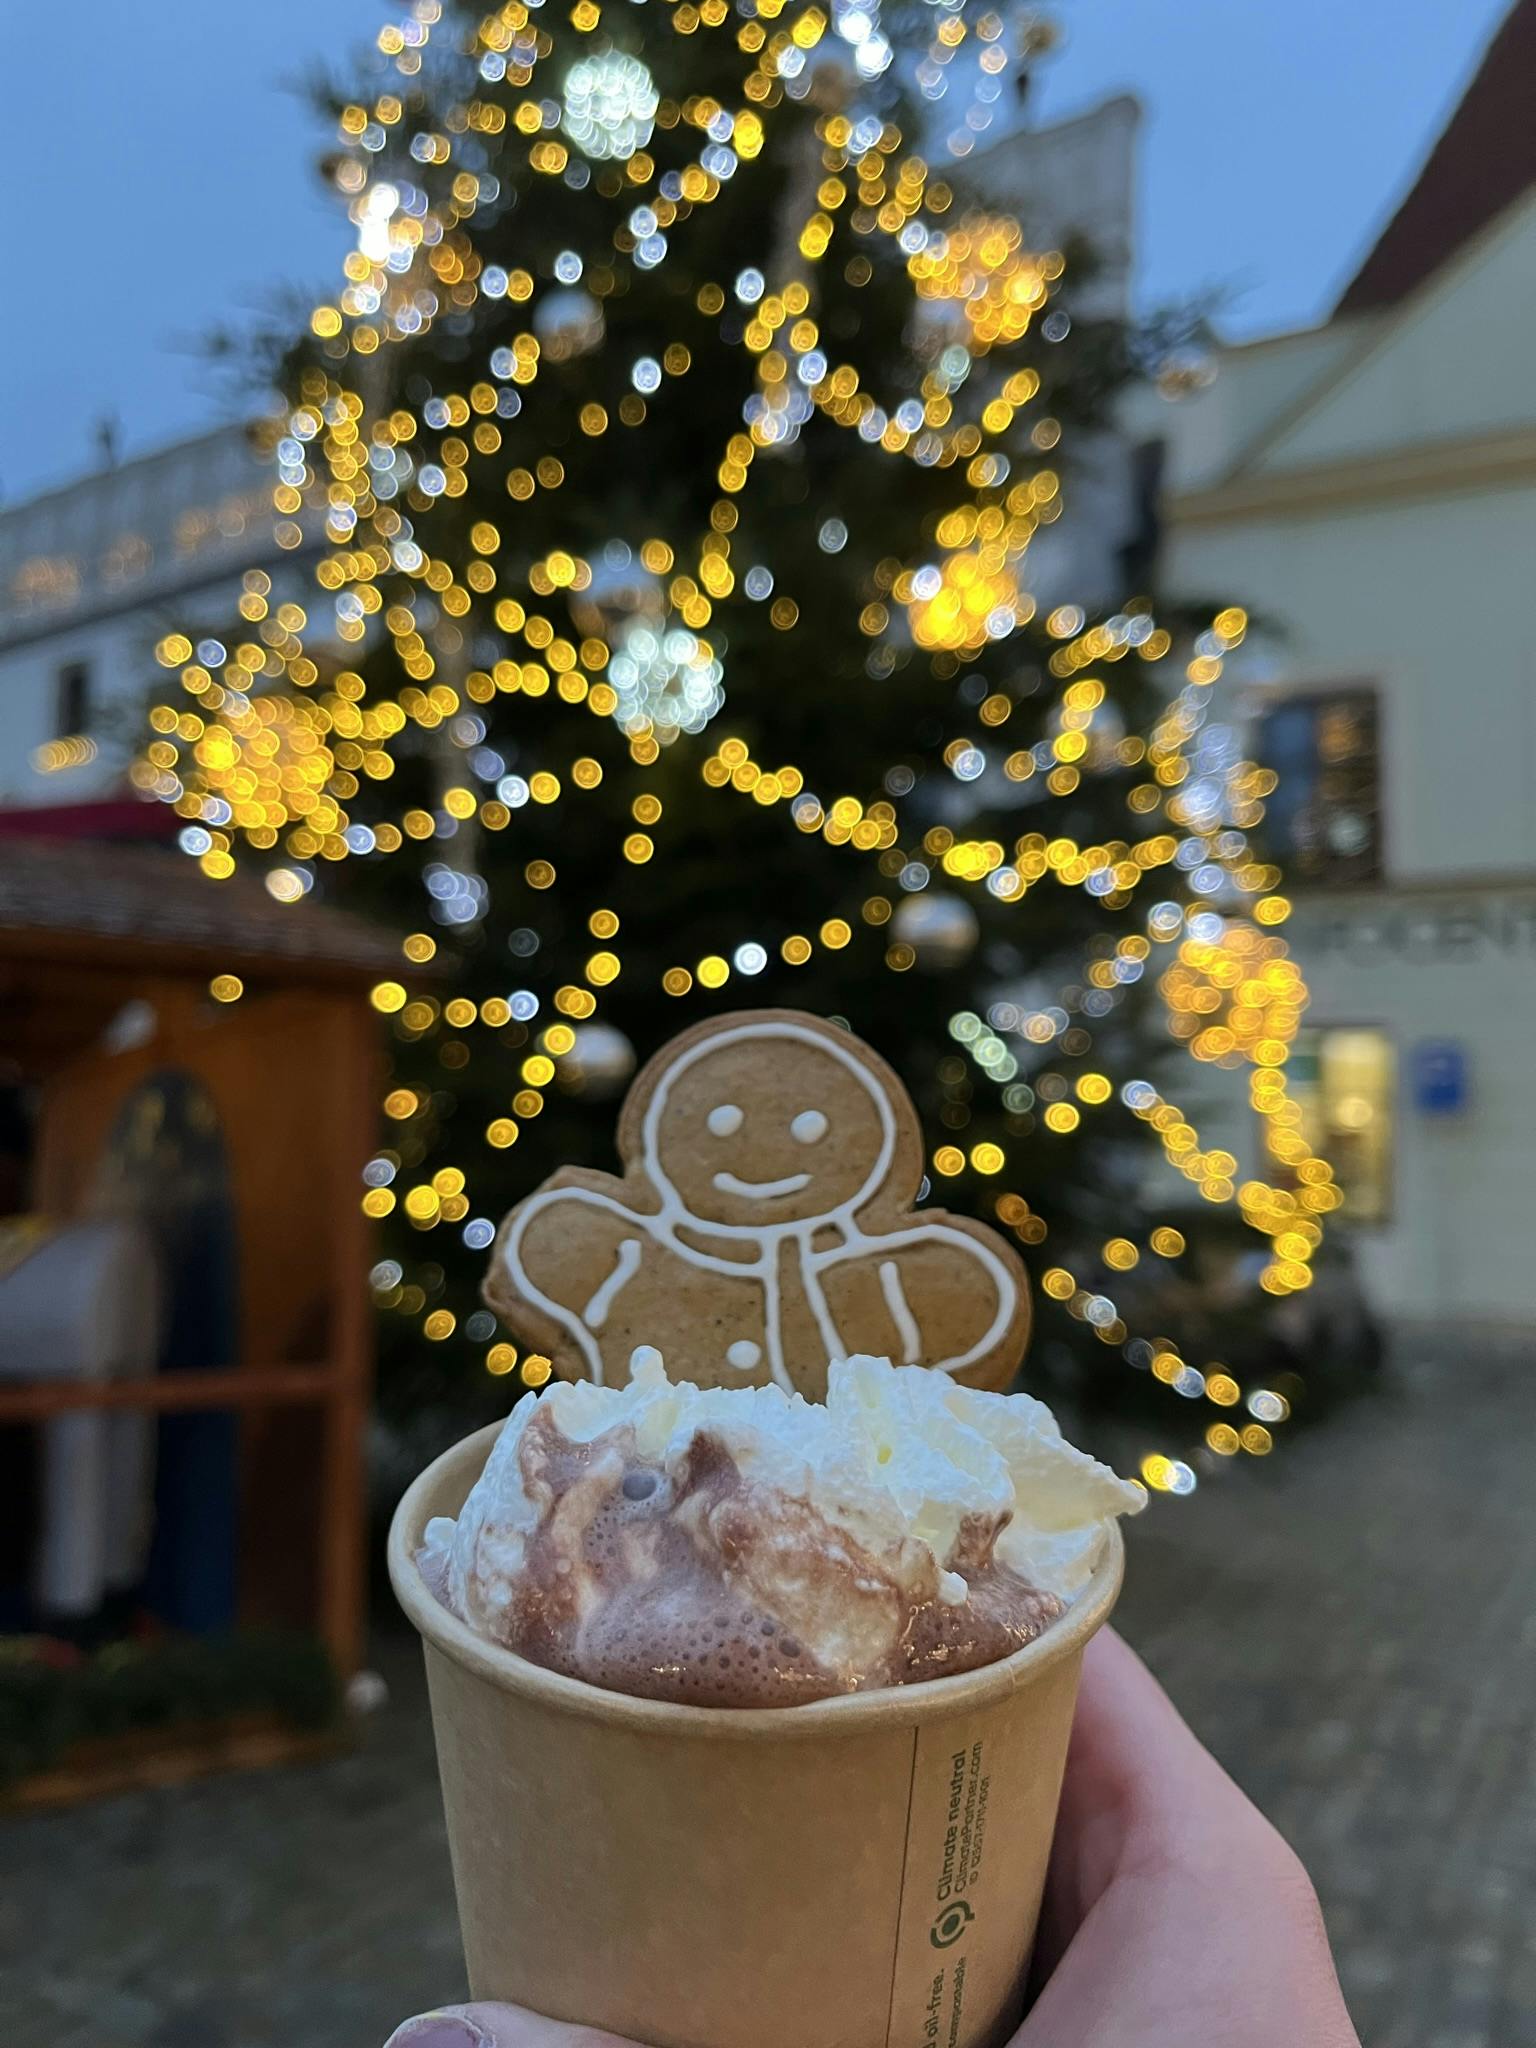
x=723, y=1119
x=808, y=1126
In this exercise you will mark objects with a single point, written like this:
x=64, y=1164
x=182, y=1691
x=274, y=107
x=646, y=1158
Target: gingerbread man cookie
x=763, y=1226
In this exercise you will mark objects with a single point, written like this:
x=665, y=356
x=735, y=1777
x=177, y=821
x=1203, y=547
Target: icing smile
x=761, y=1190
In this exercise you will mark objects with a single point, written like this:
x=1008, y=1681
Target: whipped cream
x=907, y=1527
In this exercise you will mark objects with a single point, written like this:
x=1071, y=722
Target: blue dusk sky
x=165, y=166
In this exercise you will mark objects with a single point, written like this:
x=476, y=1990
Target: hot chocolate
x=744, y=1548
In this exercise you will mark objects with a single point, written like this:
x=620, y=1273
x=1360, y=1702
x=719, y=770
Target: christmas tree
x=680, y=438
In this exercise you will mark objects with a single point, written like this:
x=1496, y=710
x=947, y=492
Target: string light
x=77, y=750
x=609, y=105
x=981, y=268
x=666, y=680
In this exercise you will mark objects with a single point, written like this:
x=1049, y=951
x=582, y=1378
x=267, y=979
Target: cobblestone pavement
x=1352, y=1628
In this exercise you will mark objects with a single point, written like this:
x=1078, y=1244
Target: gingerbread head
x=770, y=1121
x=763, y=1226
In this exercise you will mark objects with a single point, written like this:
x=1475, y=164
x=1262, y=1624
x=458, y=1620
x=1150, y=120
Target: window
x=72, y=700
x=1323, y=822
x=1345, y=1084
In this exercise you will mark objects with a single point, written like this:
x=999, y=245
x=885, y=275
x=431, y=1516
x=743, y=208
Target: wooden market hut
x=167, y=1032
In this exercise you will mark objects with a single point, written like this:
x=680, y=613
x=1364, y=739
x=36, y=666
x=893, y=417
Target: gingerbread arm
x=954, y=1296
x=562, y=1258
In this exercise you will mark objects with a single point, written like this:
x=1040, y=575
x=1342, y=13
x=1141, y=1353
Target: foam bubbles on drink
x=742, y=1548
x=633, y=1580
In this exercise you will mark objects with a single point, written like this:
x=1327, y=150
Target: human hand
x=495, y=2026
x=1174, y=1913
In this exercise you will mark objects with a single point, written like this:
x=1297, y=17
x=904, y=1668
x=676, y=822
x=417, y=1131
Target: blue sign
x=1440, y=1080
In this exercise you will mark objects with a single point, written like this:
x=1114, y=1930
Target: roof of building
x=1483, y=161
x=152, y=907
x=183, y=452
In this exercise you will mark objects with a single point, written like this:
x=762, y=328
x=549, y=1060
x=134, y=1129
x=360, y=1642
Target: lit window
x=1323, y=822
x=1345, y=1081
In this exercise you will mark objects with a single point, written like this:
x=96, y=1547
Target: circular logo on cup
x=952, y=1923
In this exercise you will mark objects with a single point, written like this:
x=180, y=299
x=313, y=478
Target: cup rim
x=455, y=1472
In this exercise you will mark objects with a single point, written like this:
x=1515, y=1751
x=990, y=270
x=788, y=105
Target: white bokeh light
x=666, y=679
x=609, y=106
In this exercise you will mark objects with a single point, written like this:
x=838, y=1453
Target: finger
x=1227, y=1949
x=1133, y=1753
x=1128, y=1728
x=495, y=2026
x=1228, y=1959
x=1169, y=1893
x=1139, y=1792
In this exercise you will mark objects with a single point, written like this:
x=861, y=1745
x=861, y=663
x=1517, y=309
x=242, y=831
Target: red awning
x=121, y=817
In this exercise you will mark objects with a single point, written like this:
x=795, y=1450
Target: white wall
x=1457, y=364
x=121, y=665
x=1076, y=178
x=1430, y=597
x=1430, y=600
x=1461, y=967
x=1256, y=386
x=99, y=570
x=124, y=676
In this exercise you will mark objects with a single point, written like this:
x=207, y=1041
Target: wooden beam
x=93, y=1768
x=195, y=957
x=274, y=1386
x=357, y=1065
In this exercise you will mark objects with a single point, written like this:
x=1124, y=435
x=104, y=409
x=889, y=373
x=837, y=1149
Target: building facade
x=1367, y=490
x=1072, y=186
x=93, y=574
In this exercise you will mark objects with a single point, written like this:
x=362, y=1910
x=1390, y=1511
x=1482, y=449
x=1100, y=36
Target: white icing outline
x=595, y=1314
x=901, y=1313
x=662, y=1226
x=672, y=1204
x=761, y=1190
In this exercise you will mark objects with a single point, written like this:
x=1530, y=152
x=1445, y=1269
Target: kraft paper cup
x=859, y=1872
